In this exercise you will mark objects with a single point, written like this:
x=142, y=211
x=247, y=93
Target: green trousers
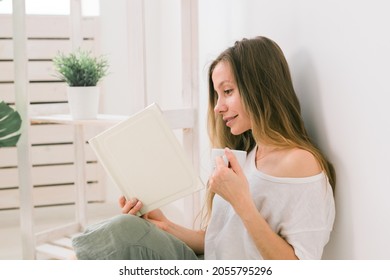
x=128, y=237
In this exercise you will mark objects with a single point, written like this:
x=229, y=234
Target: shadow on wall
x=308, y=88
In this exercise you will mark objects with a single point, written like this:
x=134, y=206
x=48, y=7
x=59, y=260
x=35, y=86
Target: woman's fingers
x=122, y=201
x=132, y=206
x=137, y=207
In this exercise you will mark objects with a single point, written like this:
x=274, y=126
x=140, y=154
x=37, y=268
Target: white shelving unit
x=55, y=243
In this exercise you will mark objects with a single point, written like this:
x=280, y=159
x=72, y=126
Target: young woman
x=279, y=205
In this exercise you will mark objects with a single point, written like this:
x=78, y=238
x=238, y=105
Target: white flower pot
x=83, y=102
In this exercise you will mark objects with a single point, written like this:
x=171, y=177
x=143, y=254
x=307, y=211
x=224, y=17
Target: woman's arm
x=270, y=245
x=231, y=184
x=193, y=238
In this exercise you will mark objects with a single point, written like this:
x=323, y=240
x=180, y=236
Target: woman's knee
x=128, y=227
x=112, y=238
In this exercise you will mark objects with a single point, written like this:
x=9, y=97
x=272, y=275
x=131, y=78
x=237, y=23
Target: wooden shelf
x=180, y=118
x=67, y=119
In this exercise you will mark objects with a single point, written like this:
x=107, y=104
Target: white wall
x=339, y=55
x=162, y=57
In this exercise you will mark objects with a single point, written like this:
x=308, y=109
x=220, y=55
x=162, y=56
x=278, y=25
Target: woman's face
x=229, y=104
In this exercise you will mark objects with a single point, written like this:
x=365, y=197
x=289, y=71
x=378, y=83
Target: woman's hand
x=158, y=218
x=230, y=182
x=133, y=206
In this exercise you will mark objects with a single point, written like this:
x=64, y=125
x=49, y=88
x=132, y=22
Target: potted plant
x=81, y=71
x=10, y=123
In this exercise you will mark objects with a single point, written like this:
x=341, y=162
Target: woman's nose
x=220, y=107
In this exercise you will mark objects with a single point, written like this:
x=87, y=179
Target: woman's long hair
x=267, y=94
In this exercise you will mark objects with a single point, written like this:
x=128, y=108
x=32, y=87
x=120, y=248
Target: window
x=50, y=7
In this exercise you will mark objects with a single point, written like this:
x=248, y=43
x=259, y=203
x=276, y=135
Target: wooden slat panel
x=64, y=242
x=7, y=91
x=49, y=154
x=60, y=133
x=47, y=175
x=47, y=92
x=8, y=157
x=55, y=252
x=35, y=50
x=52, y=154
x=38, y=26
x=89, y=154
x=48, y=109
x=93, y=130
x=64, y=230
x=64, y=194
x=58, y=154
x=9, y=199
x=51, y=49
x=39, y=109
x=57, y=133
x=8, y=178
x=7, y=71
x=6, y=49
x=41, y=71
x=38, y=92
x=45, y=196
x=47, y=35
x=54, y=133
x=6, y=26
x=37, y=71
x=47, y=27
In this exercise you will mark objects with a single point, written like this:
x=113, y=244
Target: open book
x=145, y=159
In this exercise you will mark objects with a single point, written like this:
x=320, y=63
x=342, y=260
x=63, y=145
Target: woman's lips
x=229, y=120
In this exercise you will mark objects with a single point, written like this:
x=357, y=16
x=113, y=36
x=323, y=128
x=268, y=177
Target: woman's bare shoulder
x=297, y=163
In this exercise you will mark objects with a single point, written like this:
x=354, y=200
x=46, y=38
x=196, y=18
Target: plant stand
x=56, y=243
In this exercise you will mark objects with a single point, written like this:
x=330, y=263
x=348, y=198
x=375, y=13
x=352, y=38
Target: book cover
x=145, y=159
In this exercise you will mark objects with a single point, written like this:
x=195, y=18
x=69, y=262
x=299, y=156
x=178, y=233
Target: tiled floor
x=44, y=218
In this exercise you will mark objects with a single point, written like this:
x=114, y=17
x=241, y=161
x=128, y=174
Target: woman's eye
x=228, y=91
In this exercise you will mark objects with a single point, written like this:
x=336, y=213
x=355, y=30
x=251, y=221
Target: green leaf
x=10, y=122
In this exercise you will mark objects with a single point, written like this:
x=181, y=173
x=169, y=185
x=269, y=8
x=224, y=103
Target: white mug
x=240, y=155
